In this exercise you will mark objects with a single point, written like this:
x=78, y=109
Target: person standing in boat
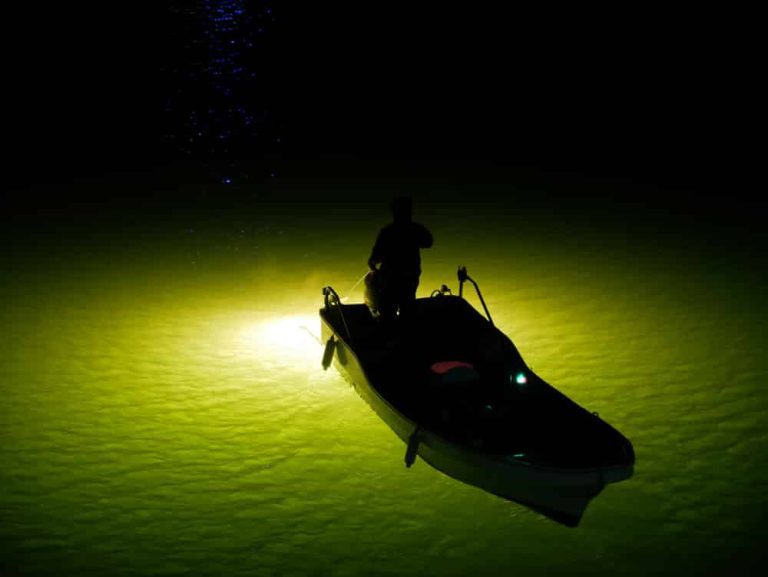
x=395, y=263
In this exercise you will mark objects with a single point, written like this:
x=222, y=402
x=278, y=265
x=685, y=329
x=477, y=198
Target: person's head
x=402, y=208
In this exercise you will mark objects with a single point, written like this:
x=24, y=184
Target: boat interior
x=449, y=369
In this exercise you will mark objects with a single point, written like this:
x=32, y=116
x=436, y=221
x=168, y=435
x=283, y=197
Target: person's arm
x=424, y=236
x=375, y=257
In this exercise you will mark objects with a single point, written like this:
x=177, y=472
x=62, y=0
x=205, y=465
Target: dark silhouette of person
x=395, y=262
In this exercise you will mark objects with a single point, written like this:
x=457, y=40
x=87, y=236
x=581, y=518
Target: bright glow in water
x=286, y=336
x=164, y=410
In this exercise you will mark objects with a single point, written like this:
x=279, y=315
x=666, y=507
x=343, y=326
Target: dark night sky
x=645, y=94
x=612, y=92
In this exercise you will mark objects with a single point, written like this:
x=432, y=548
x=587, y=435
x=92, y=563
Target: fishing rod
x=354, y=286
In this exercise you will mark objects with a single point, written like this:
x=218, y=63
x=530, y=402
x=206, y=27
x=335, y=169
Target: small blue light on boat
x=521, y=379
x=226, y=180
x=519, y=455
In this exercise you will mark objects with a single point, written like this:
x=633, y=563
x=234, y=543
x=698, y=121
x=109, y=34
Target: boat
x=456, y=390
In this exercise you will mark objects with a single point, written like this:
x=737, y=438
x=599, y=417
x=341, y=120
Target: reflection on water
x=164, y=409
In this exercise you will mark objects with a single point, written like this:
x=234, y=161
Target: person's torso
x=400, y=248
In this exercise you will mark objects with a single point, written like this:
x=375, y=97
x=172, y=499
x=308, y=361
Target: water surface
x=164, y=411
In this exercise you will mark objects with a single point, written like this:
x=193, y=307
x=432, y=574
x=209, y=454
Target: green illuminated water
x=164, y=411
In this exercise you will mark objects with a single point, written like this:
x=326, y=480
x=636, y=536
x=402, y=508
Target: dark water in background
x=164, y=411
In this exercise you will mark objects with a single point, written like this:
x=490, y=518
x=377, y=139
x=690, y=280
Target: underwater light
x=284, y=337
x=521, y=379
